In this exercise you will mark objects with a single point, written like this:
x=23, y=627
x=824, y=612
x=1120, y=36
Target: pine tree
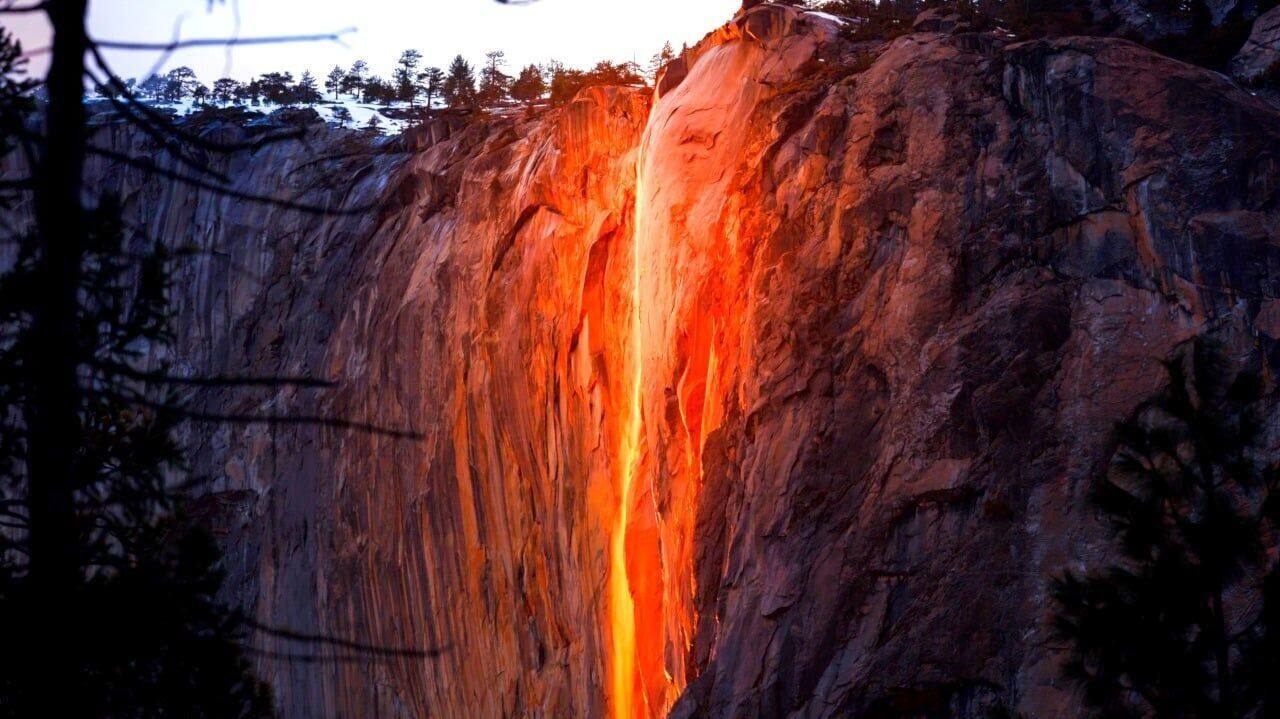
x=276, y=87
x=378, y=90
x=529, y=86
x=179, y=83
x=152, y=87
x=494, y=84
x=460, y=84
x=353, y=83
x=406, y=75
x=563, y=83
x=431, y=82
x=225, y=90
x=611, y=73
x=660, y=60
x=1168, y=630
x=307, y=92
x=333, y=83
x=109, y=602
x=342, y=116
x=252, y=91
x=150, y=637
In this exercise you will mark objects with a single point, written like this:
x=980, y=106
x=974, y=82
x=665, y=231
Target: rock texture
x=459, y=288
x=1154, y=20
x=875, y=318
x=1258, y=61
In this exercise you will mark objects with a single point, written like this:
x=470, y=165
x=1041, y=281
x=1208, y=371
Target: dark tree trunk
x=53, y=417
x=1214, y=567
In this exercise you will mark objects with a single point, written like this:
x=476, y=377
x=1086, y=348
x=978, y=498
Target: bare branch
x=172, y=45
x=267, y=419
x=310, y=658
x=222, y=41
x=322, y=639
x=276, y=419
x=220, y=380
x=149, y=166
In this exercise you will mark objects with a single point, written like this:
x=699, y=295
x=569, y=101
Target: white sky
x=575, y=32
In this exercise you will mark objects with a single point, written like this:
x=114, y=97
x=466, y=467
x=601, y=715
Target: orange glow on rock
x=686, y=339
x=622, y=611
x=680, y=344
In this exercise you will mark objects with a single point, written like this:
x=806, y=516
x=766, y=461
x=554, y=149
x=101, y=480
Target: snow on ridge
x=361, y=112
x=827, y=16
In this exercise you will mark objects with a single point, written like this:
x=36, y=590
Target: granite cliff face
x=774, y=395
x=1259, y=60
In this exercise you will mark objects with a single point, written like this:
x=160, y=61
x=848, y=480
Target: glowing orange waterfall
x=650, y=583
x=621, y=604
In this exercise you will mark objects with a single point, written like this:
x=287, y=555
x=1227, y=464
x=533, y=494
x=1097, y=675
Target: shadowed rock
x=1258, y=61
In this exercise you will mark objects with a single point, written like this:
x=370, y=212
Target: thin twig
x=322, y=639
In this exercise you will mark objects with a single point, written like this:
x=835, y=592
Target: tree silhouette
x=431, y=82
x=1178, y=625
x=460, y=84
x=494, y=83
x=180, y=82
x=333, y=82
x=307, y=92
x=529, y=85
x=406, y=75
x=660, y=60
x=566, y=82
x=353, y=83
x=378, y=90
x=152, y=87
x=107, y=589
x=277, y=87
x=139, y=632
x=225, y=90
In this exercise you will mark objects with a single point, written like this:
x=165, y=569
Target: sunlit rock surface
x=861, y=319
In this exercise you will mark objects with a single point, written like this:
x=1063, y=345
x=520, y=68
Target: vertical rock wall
x=469, y=291
x=897, y=307
x=869, y=311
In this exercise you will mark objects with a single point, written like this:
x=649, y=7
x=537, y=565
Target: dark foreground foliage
x=142, y=633
x=110, y=608
x=1183, y=623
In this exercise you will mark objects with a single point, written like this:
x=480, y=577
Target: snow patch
x=361, y=112
x=827, y=16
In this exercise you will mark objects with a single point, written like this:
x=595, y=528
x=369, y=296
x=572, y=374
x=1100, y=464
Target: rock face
x=926, y=292
x=816, y=353
x=1161, y=20
x=1259, y=60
